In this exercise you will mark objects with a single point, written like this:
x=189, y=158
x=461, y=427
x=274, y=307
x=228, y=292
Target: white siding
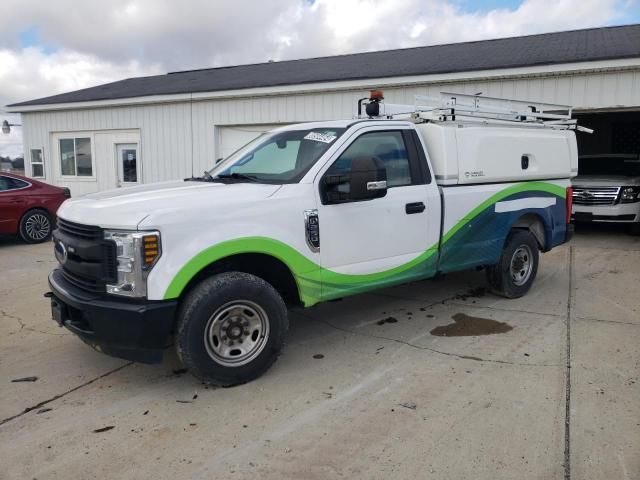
x=178, y=139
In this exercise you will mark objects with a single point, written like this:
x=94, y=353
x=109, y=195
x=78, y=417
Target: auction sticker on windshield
x=320, y=137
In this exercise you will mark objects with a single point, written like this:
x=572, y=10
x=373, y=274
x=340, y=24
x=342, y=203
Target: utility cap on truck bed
x=472, y=139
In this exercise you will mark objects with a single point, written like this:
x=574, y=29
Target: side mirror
x=366, y=181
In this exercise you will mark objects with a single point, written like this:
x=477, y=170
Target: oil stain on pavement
x=468, y=326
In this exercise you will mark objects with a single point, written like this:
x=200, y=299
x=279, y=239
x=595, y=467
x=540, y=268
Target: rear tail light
x=569, y=204
x=66, y=193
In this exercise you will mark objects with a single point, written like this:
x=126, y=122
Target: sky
x=51, y=47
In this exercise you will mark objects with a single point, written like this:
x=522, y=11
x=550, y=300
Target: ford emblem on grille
x=60, y=252
x=586, y=194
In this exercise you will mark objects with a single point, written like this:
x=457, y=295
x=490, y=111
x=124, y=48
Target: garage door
x=232, y=138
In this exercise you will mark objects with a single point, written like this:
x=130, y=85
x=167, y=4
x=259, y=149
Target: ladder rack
x=462, y=107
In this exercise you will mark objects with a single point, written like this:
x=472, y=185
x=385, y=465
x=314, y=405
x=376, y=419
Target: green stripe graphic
x=317, y=284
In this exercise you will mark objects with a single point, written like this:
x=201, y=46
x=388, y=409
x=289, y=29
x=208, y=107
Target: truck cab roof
x=343, y=124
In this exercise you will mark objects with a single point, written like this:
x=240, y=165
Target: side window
x=75, y=157
x=9, y=183
x=37, y=163
x=388, y=146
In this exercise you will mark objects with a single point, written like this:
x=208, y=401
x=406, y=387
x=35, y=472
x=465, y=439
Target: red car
x=28, y=207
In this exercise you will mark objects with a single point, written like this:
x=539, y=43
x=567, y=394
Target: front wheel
x=515, y=272
x=231, y=328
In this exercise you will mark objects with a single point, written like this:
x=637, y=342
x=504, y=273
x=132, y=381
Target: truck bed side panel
x=478, y=219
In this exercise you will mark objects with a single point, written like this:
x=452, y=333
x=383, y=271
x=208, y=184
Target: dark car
x=28, y=207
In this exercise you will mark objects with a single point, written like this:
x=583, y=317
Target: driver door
x=368, y=244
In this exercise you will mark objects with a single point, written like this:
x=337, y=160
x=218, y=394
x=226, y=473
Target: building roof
x=544, y=49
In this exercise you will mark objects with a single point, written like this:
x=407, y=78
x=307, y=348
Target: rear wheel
x=231, y=328
x=515, y=272
x=35, y=226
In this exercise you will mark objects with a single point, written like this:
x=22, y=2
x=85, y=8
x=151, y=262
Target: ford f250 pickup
x=309, y=213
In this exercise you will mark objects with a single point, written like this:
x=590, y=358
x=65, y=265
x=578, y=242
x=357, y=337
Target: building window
x=75, y=157
x=37, y=163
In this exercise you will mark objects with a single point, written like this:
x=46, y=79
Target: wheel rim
x=236, y=333
x=521, y=265
x=37, y=226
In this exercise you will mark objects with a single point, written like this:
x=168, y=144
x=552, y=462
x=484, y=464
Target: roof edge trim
x=364, y=84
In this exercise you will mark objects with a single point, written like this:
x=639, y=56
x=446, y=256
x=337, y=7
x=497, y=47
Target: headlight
x=136, y=254
x=630, y=194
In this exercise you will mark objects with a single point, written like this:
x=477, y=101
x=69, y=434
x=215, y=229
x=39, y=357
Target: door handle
x=415, y=207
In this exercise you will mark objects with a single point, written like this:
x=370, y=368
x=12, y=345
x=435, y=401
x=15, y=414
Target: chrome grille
x=595, y=195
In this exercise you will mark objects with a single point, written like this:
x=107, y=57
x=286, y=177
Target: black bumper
x=589, y=217
x=133, y=330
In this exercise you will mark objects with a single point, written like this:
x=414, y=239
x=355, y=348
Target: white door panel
x=375, y=235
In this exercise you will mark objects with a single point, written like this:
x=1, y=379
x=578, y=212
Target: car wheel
x=231, y=328
x=514, y=274
x=35, y=226
x=634, y=228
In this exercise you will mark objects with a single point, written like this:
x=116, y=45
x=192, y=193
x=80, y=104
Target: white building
x=172, y=126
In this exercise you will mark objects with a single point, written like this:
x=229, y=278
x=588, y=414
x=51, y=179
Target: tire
x=35, y=226
x=634, y=228
x=231, y=328
x=514, y=274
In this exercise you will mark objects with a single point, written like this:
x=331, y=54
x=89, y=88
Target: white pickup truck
x=304, y=214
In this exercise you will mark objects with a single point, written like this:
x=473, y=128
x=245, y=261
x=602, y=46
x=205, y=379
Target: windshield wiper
x=234, y=176
x=206, y=177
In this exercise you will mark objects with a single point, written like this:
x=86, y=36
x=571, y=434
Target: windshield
x=625, y=165
x=278, y=157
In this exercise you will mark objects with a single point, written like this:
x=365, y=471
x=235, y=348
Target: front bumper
x=621, y=212
x=133, y=330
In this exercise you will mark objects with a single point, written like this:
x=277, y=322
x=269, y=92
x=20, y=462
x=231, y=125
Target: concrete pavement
x=363, y=390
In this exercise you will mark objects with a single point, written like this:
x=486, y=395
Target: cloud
x=74, y=44
x=11, y=145
x=28, y=73
x=31, y=73
x=344, y=26
x=199, y=33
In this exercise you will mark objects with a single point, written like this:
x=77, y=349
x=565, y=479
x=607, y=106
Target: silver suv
x=607, y=189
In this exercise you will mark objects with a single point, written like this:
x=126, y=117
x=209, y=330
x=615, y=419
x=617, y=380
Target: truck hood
x=125, y=208
x=604, y=181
